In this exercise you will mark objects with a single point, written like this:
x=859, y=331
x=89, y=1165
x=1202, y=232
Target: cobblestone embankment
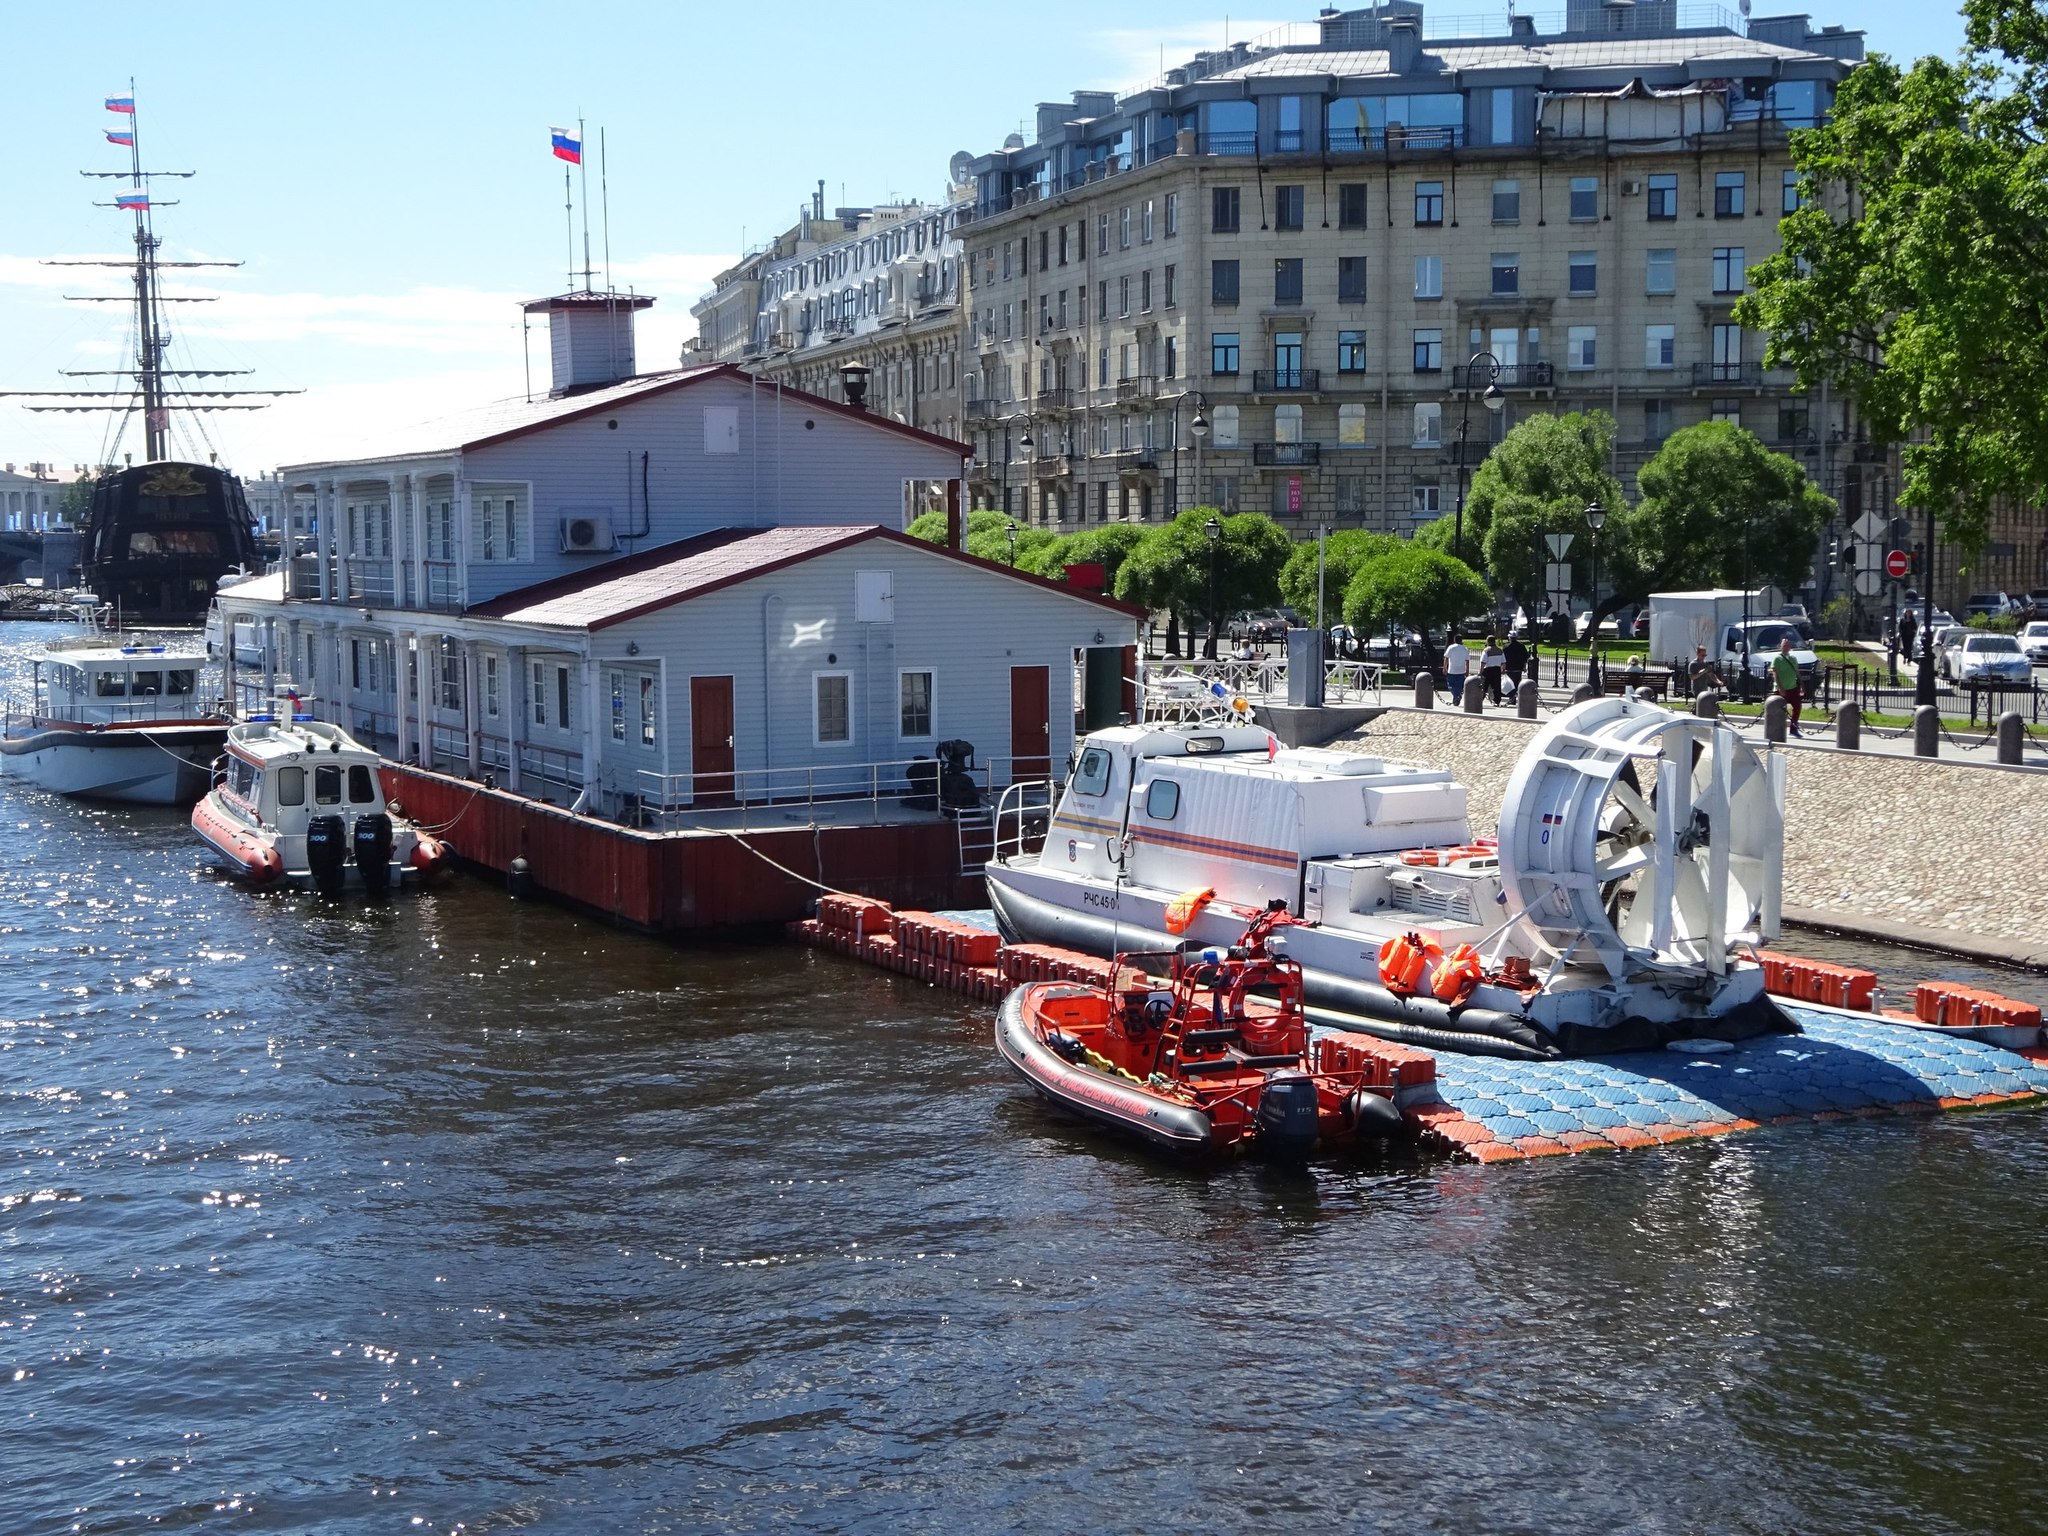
x=1893, y=848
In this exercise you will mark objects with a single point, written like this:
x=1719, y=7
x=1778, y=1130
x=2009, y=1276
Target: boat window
x=327, y=784
x=1091, y=774
x=1162, y=799
x=362, y=789
x=146, y=685
x=180, y=680
x=291, y=786
x=110, y=685
x=241, y=775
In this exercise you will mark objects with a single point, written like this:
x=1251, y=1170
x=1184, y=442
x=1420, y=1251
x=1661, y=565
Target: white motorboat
x=117, y=722
x=1638, y=866
x=301, y=803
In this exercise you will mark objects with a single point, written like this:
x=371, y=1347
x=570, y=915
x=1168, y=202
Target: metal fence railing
x=668, y=799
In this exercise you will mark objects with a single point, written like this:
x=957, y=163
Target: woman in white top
x=1491, y=661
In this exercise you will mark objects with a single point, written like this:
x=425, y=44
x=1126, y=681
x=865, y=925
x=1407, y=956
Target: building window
x=1351, y=351
x=1223, y=282
x=1728, y=194
x=1223, y=210
x=1102, y=299
x=1289, y=205
x=1351, y=205
x=1123, y=228
x=1123, y=361
x=1729, y=411
x=831, y=708
x=1507, y=273
x=1429, y=351
x=1102, y=234
x=618, y=682
x=1286, y=423
x=1166, y=282
x=1429, y=277
x=492, y=687
x=1145, y=292
x=1656, y=420
x=1061, y=315
x=1578, y=347
x=1789, y=198
x=1663, y=197
x=1503, y=114
x=1660, y=271
x=1425, y=503
x=1350, y=492
x=1172, y=369
x=1585, y=204
x=1429, y=202
x=1429, y=420
x=1507, y=202
x=1223, y=427
x=540, y=694
x=1585, y=273
x=1351, y=425
x=1351, y=279
x=1123, y=296
x=1287, y=131
x=1063, y=245
x=646, y=710
x=1727, y=341
x=1145, y=222
x=1044, y=253
x=1287, y=280
x=1172, y=214
x=1223, y=492
x=1731, y=269
x=451, y=675
x=1660, y=346
x=914, y=709
x=562, y=697
x=1223, y=353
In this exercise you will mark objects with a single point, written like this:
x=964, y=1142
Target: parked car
x=2034, y=640
x=1988, y=605
x=2037, y=603
x=1977, y=657
x=1795, y=615
x=1259, y=625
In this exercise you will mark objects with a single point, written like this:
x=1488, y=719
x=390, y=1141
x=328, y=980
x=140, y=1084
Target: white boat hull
x=164, y=765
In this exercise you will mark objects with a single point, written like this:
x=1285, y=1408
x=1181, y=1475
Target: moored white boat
x=300, y=802
x=116, y=722
x=1638, y=863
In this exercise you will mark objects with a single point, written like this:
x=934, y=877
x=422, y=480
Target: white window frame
x=818, y=738
x=501, y=534
x=1581, y=347
x=617, y=682
x=1429, y=424
x=492, y=686
x=931, y=703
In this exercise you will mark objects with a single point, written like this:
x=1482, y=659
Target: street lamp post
x=1923, y=684
x=1595, y=516
x=1213, y=530
x=1011, y=529
x=1030, y=453
x=1495, y=401
x=1198, y=429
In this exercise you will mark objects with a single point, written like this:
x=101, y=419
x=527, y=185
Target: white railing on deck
x=1185, y=692
x=672, y=798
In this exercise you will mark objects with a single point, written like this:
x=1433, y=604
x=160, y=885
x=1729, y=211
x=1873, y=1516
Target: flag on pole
x=135, y=201
x=121, y=104
x=568, y=144
x=122, y=136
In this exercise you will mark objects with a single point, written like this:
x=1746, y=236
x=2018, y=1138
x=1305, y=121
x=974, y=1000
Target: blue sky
x=383, y=169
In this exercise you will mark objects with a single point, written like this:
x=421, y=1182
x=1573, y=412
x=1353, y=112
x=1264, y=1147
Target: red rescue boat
x=1202, y=1053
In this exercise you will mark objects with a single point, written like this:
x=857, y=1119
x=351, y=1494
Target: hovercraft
x=1203, y=1054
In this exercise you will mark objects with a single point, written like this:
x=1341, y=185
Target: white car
x=2034, y=640
x=1981, y=658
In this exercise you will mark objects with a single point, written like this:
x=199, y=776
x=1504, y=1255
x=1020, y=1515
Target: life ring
x=1443, y=858
x=1455, y=974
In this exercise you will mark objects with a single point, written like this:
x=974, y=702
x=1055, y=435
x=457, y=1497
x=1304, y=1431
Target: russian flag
x=121, y=104
x=568, y=146
x=122, y=136
x=136, y=201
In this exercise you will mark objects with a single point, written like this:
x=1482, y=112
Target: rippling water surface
x=456, y=1214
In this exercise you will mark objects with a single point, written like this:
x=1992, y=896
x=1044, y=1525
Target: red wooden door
x=711, y=740
x=1030, y=723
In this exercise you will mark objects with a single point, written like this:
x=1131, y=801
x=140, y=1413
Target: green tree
x=931, y=526
x=1717, y=509
x=1421, y=588
x=1913, y=278
x=75, y=500
x=1343, y=553
x=1169, y=567
x=1537, y=482
x=1106, y=544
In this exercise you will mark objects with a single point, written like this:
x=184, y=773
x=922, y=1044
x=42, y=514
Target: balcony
x=1743, y=375
x=1266, y=381
x=1056, y=398
x=1057, y=466
x=982, y=410
x=1395, y=136
x=1512, y=376
x=1141, y=386
x=1287, y=453
x=371, y=582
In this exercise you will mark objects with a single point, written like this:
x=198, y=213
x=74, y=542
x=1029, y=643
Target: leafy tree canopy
x=1169, y=566
x=1913, y=278
x=1107, y=544
x=1536, y=483
x=1421, y=588
x=1343, y=553
x=931, y=526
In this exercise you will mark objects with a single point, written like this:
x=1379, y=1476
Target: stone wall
x=1917, y=850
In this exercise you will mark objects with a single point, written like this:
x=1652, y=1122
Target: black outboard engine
x=1287, y=1118
x=327, y=853
x=373, y=850
x=923, y=778
x=957, y=789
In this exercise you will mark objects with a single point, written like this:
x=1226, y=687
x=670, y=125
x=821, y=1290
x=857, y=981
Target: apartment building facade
x=1282, y=278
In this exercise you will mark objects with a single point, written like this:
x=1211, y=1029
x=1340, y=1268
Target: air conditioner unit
x=588, y=536
x=1631, y=189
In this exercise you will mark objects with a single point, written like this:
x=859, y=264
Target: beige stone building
x=1328, y=249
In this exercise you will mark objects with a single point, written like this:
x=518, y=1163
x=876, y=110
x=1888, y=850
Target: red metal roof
x=625, y=589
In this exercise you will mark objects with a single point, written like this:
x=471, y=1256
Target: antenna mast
x=584, y=166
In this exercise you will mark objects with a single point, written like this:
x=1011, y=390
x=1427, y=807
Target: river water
x=453, y=1214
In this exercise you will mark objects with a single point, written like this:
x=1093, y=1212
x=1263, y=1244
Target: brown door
x=711, y=740
x=1030, y=723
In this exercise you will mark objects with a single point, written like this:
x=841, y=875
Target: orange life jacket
x=1182, y=910
x=1405, y=960
x=1454, y=975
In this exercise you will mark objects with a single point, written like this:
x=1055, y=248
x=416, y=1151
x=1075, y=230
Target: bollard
x=1646, y=695
x=2012, y=731
x=1584, y=692
x=1926, y=731
x=1774, y=719
x=1425, y=691
x=1848, y=727
x=1475, y=693
x=1707, y=706
x=1525, y=699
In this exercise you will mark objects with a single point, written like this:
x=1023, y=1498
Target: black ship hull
x=159, y=537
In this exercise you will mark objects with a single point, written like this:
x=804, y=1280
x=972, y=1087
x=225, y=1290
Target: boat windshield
x=327, y=784
x=362, y=789
x=110, y=685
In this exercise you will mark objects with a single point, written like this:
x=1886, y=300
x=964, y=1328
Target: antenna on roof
x=584, y=166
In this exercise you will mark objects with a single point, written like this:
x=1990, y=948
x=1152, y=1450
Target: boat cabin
x=1227, y=807
x=101, y=684
x=280, y=773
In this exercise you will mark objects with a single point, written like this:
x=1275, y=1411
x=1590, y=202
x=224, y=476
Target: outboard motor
x=1373, y=1115
x=923, y=778
x=957, y=789
x=327, y=853
x=1286, y=1118
x=373, y=850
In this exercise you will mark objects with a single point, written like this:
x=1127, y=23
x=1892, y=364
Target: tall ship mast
x=159, y=535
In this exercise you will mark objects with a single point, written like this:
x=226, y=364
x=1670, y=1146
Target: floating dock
x=1961, y=1048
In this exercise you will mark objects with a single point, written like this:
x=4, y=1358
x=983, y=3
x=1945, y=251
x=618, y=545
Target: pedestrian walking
x=1515, y=658
x=1492, y=661
x=1785, y=678
x=1457, y=665
x=1908, y=627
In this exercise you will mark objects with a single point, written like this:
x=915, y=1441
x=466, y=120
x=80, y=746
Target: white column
x=323, y=513
x=427, y=656
x=400, y=651
x=416, y=520
x=518, y=710
x=590, y=796
x=471, y=713
x=461, y=551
